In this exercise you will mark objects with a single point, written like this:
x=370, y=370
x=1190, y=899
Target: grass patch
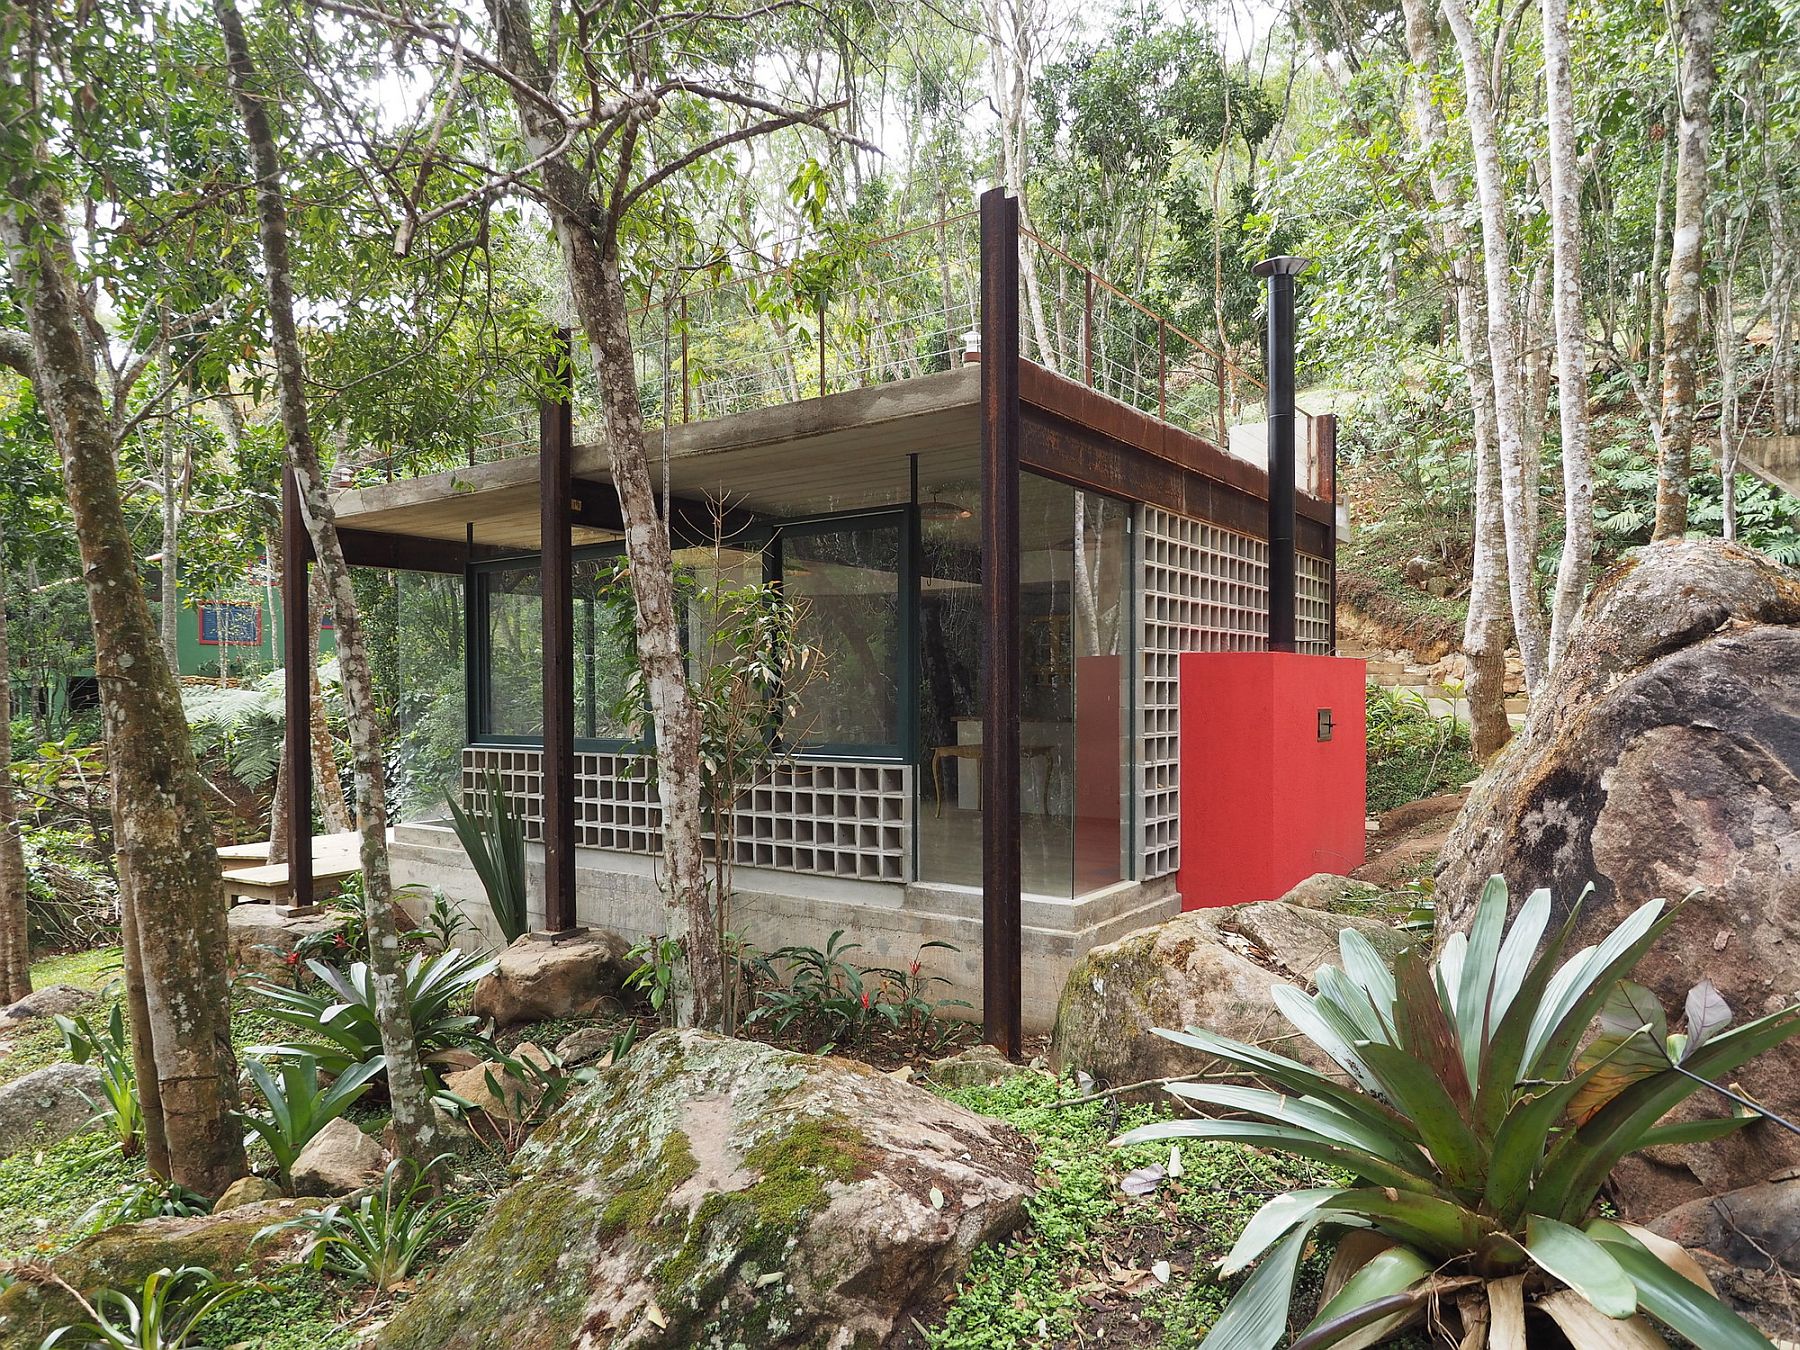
x=85, y=970
x=1080, y=1270
x=43, y=1192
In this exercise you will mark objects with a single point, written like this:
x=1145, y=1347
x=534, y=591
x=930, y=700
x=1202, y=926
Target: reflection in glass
x=845, y=580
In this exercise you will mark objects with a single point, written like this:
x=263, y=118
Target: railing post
x=296, y=640
x=1162, y=369
x=822, y=349
x=1087, y=323
x=1219, y=365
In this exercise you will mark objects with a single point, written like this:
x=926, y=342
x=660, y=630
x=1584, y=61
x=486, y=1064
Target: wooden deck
x=249, y=875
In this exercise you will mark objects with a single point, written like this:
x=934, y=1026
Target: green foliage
x=442, y=922
x=293, y=1308
x=494, y=838
x=657, y=973
x=523, y=1091
x=1413, y=753
x=381, y=1237
x=109, y=1046
x=337, y=1020
x=1478, y=1124
x=162, y=1316
x=151, y=1198
x=49, y=1196
x=299, y=1107
x=821, y=991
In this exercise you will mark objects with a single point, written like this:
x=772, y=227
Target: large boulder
x=708, y=1191
x=538, y=979
x=1753, y=1226
x=121, y=1257
x=1663, y=757
x=1211, y=968
x=47, y=1105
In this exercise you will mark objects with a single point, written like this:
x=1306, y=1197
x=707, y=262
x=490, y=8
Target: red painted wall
x=1264, y=802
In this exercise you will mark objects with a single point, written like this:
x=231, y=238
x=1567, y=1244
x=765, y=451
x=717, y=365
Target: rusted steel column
x=556, y=436
x=1325, y=426
x=296, y=656
x=1000, y=870
x=1087, y=323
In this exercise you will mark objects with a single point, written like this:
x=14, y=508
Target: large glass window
x=845, y=576
x=1075, y=746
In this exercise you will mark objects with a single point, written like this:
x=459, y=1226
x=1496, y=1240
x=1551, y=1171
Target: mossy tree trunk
x=168, y=866
x=413, y=1122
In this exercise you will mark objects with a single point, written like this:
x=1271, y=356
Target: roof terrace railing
x=1080, y=325
x=842, y=313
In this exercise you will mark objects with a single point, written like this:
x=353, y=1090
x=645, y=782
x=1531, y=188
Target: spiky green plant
x=161, y=1316
x=299, y=1107
x=1478, y=1124
x=493, y=836
x=383, y=1235
x=338, y=1018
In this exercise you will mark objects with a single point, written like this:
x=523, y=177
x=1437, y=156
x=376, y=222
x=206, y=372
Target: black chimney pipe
x=1280, y=273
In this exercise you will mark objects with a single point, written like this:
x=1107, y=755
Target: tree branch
x=15, y=350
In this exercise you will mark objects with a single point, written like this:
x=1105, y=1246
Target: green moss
x=635, y=1208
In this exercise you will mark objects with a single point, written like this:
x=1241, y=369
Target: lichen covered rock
x=713, y=1192
x=55, y=998
x=1211, y=968
x=47, y=1105
x=121, y=1257
x=1662, y=757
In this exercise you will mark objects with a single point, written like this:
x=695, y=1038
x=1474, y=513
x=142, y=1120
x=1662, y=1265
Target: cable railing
x=1076, y=323
x=842, y=312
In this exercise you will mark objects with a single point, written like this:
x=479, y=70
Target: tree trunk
x=168, y=865
x=330, y=786
x=1571, y=332
x=596, y=286
x=15, y=936
x=170, y=618
x=1503, y=359
x=1695, y=29
x=1484, y=631
x=414, y=1126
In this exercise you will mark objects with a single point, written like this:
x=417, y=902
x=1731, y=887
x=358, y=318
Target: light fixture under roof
x=937, y=508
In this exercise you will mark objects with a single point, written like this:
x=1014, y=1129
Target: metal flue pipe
x=1280, y=273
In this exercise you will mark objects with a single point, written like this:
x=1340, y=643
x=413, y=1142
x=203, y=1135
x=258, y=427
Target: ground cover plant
x=1413, y=753
x=1478, y=1126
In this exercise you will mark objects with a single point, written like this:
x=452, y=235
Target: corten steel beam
x=556, y=432
x=1001, y=880
x=409, y=553
x=296, y=634
x=1326, y=426
x=1280, y=273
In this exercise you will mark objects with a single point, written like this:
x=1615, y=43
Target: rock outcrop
x=47, y=1105
x=54, y=998
x=1661, y=758
x=1209, y=968
x=121, y=1257
x=263, y=938
x=708, y=1191
x=537, y=980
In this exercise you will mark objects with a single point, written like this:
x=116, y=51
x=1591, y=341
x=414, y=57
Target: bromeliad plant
x=337, y=1017
x=493, y=835
x=1479, y=1125
x=109, y=1046
x=299, y=1107
x=162, y=1316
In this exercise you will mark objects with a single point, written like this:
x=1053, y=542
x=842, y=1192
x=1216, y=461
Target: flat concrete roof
x=840, y=452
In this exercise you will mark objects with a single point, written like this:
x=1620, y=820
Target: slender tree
x=169, y=870
x=409, y=1092
x=1571, y=331
x=1485, y=628
x=1696, y=30
x=15, y=935
x=1516, y=482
